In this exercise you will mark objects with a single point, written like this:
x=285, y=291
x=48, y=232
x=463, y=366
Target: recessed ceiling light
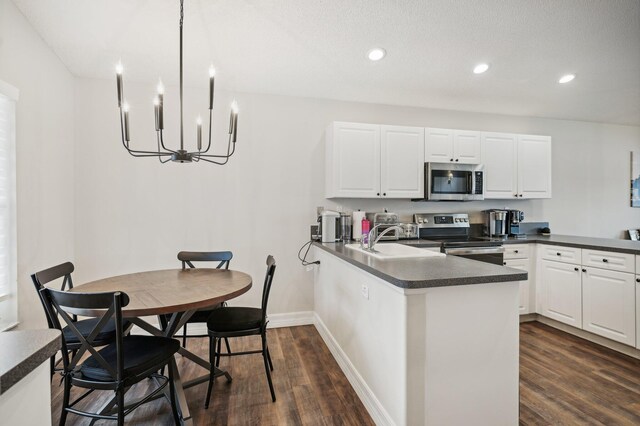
x=480, y=68
x=566, y=78
x=376, y=54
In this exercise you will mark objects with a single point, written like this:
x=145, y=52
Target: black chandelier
x=181, y=155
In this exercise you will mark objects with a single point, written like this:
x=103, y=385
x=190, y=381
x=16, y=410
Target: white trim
x=10, y=326
x=9, y=91
x=376, y=410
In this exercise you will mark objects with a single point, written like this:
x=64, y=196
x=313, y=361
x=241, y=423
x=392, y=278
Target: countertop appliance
x=452, y=230
x=496, y=223
x=453, y=182
x=409, y=231
x=514, y=217
x=329, y=226
x=385, y=220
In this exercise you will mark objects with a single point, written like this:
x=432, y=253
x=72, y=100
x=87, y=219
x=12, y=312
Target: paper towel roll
x=356, y=229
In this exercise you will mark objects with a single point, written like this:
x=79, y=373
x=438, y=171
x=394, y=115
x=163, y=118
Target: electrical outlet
x=365, y=291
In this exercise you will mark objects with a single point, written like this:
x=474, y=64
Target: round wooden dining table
x=173, y=295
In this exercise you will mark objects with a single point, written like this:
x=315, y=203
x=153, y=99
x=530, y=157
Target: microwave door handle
x=471, y=183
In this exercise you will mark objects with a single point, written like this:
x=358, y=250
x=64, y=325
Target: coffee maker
x=514, y=217
x=496, y=223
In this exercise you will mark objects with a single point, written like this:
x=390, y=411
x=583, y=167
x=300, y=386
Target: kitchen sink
x=395, y=251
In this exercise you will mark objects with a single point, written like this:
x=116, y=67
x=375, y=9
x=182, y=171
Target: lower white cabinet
x=609, y=305
x=525, y=287
x=638, y=308
x=561, y=292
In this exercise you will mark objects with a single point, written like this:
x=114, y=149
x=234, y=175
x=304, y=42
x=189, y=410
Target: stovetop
x=460, y=241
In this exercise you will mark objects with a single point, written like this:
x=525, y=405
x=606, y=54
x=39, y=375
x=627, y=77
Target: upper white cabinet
x=452, y=146
x=500, y=158
x=402, y=168
x=353, y=160
x=372, y=161
x=534, y=166
x=516, y=166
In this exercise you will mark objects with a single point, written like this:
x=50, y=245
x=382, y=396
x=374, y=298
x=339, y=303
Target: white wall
x=44, y=151
x=135, y=214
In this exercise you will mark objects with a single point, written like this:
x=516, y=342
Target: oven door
x=453, y=182
x=493, y=255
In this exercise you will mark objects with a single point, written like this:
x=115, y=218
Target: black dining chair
x=85, y=326
x=236, y=321
x=201, y=316
x=118, y=365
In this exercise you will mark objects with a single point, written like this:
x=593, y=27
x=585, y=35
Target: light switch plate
x=365, y=291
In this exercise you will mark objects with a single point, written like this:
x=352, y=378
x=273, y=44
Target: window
x=8, y=281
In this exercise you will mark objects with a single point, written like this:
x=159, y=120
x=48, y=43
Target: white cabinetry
x=353, y=160
x=452, y=146
x=517, y=256
x=516, y=166
x=402, y=168
x=372, y=161
x=500, y=165
x=561, y=292
x=608, y=305
x=534, y=166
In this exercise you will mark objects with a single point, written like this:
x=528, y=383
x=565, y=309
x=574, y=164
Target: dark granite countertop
x=426, y=272
x=607, y=244
x=23, y=351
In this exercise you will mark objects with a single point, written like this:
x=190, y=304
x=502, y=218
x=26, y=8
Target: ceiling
x=318, y=49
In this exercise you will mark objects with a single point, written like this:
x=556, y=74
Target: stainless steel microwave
x=453, y=182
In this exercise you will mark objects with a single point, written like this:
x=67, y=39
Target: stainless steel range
x=452, y=230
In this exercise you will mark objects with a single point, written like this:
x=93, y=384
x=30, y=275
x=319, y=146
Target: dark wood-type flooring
x=564, y=380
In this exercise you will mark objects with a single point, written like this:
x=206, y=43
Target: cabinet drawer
x=612, y=261
x=561, y=254
x=516, y=251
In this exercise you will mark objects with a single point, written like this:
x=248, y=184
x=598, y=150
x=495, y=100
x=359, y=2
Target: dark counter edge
x=32, y=359
x=429, y=283
x=604, y=244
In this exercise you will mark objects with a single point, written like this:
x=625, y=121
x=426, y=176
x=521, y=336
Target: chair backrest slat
x=46, y=276
x=188, y=257
x=266, y=290
x=111, y=302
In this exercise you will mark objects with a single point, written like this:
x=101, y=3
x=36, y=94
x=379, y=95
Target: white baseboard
x=372, y=404
x=289, y=319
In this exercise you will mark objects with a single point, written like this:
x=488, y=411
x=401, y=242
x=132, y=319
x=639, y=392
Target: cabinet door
x=561, y=292
x=638, y=311
x=402, y=169
x=438, y=146
x=608, y=305
x=523, y=264
x=534, y=166
x=499, y=156
x=353, y=162
x=467, y=147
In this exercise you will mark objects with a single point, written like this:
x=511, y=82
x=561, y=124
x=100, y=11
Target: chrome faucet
x=370, y=244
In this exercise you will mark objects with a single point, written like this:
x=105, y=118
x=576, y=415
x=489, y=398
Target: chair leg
x=265, y=356
x=174, y=398
x=212, y=354
x=218, y=352
x=226, y=342
x=65, y=400
x=52, y=366
x=269, y=358
x=120, y=398
x=184, y=336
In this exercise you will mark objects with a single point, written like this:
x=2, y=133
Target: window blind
x=8, y=296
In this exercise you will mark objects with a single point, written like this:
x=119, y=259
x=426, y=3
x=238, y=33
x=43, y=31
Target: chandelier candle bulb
x=160, y=111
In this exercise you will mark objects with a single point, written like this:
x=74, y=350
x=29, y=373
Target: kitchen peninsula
x=429, y=340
